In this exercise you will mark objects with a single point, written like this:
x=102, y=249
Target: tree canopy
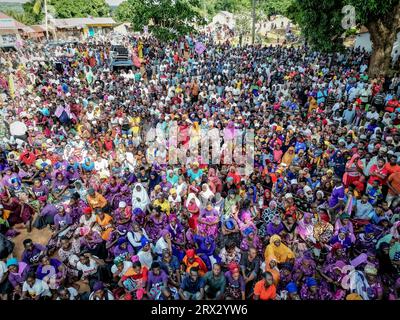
x=165, y=19
x=322, y=25
x=34, y=10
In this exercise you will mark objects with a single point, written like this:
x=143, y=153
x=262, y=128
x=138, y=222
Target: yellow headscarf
x=282, y=253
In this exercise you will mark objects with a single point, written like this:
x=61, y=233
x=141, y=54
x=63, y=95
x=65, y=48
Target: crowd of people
x=318, y=218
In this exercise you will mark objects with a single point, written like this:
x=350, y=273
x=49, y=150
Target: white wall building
x=363, y=41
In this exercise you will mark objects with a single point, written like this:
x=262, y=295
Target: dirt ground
x=37, y=236
x=42, y=237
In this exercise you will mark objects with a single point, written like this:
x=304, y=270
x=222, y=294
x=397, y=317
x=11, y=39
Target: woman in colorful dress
x=207, y=222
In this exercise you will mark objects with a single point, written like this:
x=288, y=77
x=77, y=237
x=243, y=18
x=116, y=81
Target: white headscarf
x=208, y=194
x=190, y=197
x=140, y=199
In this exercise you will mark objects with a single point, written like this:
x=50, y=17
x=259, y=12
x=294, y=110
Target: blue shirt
x=192, y=287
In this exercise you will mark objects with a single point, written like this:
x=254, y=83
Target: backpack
x=6, y=247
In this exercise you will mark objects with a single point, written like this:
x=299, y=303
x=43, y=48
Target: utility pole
x=253, y=16
x=46, y=18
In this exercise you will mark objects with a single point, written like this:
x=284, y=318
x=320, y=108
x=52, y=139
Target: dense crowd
x=317, y=219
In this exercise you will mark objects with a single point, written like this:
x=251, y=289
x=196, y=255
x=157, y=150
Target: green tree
x=124, y=12
x=322, y=25
x=166, y=19
x=20, y=17
x=272, y=7
x=243, y=25
x=66, y=8
x=33, y=11
x=80, y=8
x=232, y=6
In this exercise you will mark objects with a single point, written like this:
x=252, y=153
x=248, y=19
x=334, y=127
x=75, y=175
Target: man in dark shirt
x=192, y=286
x=250, y=264
x=32, y=253
x=215, y=283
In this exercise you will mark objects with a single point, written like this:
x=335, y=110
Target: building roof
x=80, y=22
x=9, y=23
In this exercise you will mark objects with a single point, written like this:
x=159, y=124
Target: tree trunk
x=383, y=35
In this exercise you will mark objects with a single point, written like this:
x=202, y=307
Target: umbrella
x=18, y=128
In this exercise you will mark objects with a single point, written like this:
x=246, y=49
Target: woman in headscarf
x=207, y=222
x=235, y=284
x=191, y=259
x=156, y=222
x=214, y=181
x=134, y=280
x=375, y=288
x=278, y=250
x=17, y=274
x=280, y=187
x=105, y=221
x=250, y=239
x=245, y=221
x=19, y=212
x=51, y=271
x=267, y=197
x=193, y=205
x=305, y=228
x=308, y=194
x=235, y=175
x=163, y=243
x=154, y=180
x=123, y=248
x=274, y=227
x=124, y=195
x=140, y=198
x=304, y=267
x=172, y=178
x=155, y=193
x=111, y=189
x=165, y=184
x=271, y=265
x=288, y=157
x=205, y=195
x=205, y=248
x=59, y=187
x=181, y=187
x=312, y=291
x=178, y=236
x=343, y=223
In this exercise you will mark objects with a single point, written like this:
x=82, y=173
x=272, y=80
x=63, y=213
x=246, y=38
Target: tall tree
x=80, y=8
x=124, y=12
x=322, y=24
x=272, y=7
x=233, y=6
x=166, y=19
x=67, y=8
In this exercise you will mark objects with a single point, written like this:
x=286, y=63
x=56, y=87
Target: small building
x=123, y=28
x=363, y=41
x=11, y=31
x=224, y=18
x=78, y=28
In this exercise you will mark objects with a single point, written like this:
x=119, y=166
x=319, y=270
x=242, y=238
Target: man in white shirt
x=35, y=289
x=145, y=256
x=67, y=293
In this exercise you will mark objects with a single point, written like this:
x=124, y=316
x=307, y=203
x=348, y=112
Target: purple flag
x=199, y=47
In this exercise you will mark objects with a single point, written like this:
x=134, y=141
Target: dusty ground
x=41, y=237
x=37, y=236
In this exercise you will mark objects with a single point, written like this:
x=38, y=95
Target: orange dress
x=105, y=223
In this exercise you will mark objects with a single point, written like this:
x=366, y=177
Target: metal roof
x=80, y=22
